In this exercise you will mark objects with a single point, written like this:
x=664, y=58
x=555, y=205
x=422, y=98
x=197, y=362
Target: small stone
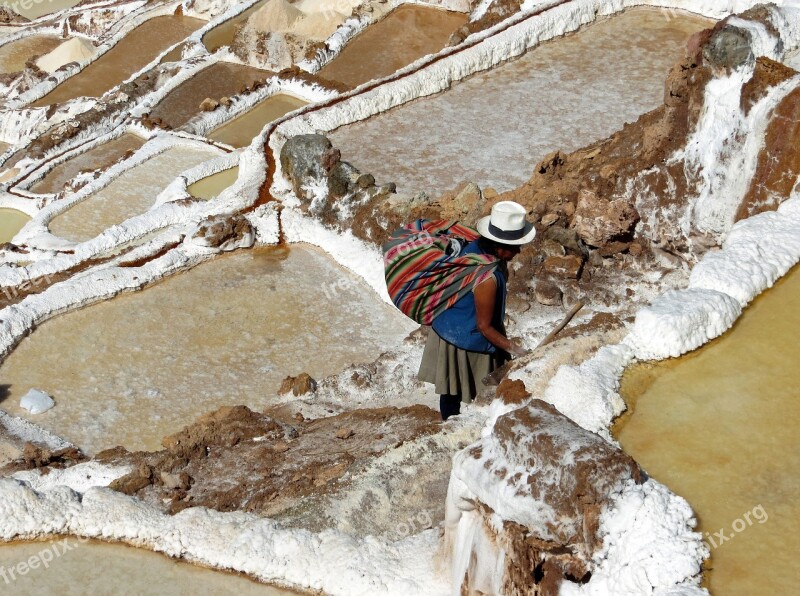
x=595, y=258
x=209, y=105
x=613, y=248
x=345, y=433
x=225, y=101
x=549, y=219
x=280, y=447
x=635, y=249
x=299, y=385
x=365, y=181
x=548, y=294
x=180, y=481
x=568, y=266
x=551, y=248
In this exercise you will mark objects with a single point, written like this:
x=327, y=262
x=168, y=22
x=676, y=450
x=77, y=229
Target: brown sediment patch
x=129, y=55
x=404, y=35
x=16, y=54
x=236, y=459
x=779, y=161
x=97, y=158
x=222, y=79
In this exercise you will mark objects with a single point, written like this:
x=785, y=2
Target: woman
x=468, y=340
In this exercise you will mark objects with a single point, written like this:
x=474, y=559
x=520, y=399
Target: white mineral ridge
x=330, y=561
x=36, y=401
x=757, y=252
x=79, y=478
x=646, y=527
x=680, y=321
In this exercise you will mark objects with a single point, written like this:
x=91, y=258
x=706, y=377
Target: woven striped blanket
x=422, y=278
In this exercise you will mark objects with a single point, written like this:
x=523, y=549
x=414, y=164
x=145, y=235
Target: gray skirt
x=455, y=371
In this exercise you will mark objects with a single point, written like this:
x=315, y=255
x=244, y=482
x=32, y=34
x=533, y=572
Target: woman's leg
x=449, y=405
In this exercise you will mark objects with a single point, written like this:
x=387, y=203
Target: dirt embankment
x=236, y=459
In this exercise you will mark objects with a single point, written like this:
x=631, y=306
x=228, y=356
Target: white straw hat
x=507, y=224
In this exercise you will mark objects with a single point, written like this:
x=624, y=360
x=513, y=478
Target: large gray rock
x=303, y=161
x=728, y=48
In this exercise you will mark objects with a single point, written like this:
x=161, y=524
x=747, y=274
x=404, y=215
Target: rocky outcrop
x=552, y=479
x=599, y=221
x=328, y=187
x=224, y=233
x=238, y=459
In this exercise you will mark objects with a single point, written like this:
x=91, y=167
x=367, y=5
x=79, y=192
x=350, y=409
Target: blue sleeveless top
x=458, y=324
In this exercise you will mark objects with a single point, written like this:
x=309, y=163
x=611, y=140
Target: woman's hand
x=518, y=351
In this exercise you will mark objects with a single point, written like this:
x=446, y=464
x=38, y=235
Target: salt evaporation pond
x=132, y=193
x=33, y=9
x=241, y=130
x=90, y=567
x=132, y=53
x=15, y=54
x=405, y=35
x=142, y=366
x=222, y=79
x=494, y=127
x=718, y=426
x=209, y=187
x=98, y=157
x=11, y=222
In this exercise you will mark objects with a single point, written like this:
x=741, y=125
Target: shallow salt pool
x=15, y=54
x=718, y=426
x=31, y=9
x=11, y=222
x=240, y=131
x=130, y=54
x=132, y=193
x=142, y=366
x=210, y=186
x=101, y=156
x=494, y=127
x=405, y=35
x=222, y=79
x=77, y=567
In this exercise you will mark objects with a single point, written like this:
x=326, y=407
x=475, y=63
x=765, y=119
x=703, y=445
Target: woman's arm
x=485, y=296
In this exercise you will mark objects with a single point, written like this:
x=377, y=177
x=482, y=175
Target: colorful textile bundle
x=425, y=273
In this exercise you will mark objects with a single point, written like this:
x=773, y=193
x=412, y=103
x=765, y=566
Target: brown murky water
x=15, y=54
x=406, y=34
x=241, y=130
x=222, y=79
x=223, y=34
x=210, y=186
x=132, y=193
x=11, y=222
x=78, y=567
x=719, y=427
x=494, y=127
x=101, y=156
x=133, y=52
x=137, y=368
